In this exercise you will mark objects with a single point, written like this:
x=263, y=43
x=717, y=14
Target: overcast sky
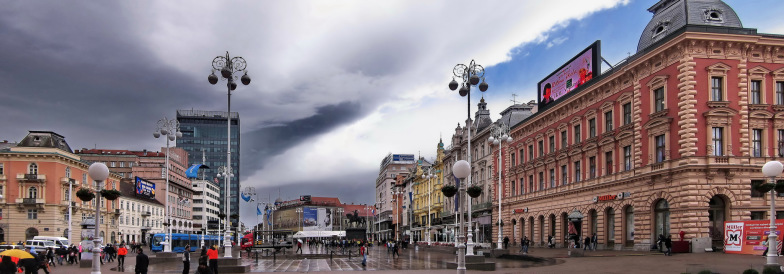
x=337, y=85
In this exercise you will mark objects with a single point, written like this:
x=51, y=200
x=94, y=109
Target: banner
x=310, y=219
x=749, y=237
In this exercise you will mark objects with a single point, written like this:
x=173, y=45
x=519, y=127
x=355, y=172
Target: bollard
x=257, y=257
x=330, y=255
x=274, y=257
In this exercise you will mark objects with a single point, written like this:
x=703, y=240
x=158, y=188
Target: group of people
x=393, y=247
x=666, y=242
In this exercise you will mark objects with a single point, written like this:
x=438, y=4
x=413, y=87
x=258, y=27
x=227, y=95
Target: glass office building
x=205, y=131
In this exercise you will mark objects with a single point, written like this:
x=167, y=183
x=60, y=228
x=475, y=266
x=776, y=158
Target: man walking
x=594, y=240
x=212, y=254
x=299, y=247
x=186, y=260
x=142, y=262
x=363, y=253
x=121, y=252
x=524, y=244
x=395, y=248
x=506, y=242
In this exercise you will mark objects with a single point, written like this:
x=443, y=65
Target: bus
x=179, y=240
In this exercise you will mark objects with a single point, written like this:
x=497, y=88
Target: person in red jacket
x=213, y=255
x=121, y=252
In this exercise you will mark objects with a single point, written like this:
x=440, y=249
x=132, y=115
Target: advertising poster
x=749, y=237
x=310, y=219
x=145, y=188
x=570, y=76
x=322, y=215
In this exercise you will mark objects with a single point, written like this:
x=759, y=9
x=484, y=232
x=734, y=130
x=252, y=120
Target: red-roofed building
x=323, y=214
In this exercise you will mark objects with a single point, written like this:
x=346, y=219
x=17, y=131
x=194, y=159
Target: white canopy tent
x=319, y=234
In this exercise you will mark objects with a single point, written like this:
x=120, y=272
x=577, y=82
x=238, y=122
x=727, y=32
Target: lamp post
x=396, y=193
x=170, y=129
x=772, y=170
x=499, y=135
x=228, y=67
x=469, y=75
x=429, y=202
x=70, y=209
x=299, y=223
x=462, y=170
x=98, y=172
x=340, y=211
x=226, y=172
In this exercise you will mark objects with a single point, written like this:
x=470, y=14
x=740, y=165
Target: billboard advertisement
x=575, y=73
x=317, y=219
x=749, y=237
x=144, y=188
x=403, y=158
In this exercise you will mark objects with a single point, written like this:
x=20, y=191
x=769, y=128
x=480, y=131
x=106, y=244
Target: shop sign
x=521, y=210
x=619, y=196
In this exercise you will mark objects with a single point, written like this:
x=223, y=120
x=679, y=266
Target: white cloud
x=557, y=41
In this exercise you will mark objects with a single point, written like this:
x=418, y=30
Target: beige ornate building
x=669, y=140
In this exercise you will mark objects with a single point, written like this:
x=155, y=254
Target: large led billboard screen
x=145, y=188
x=575, y=73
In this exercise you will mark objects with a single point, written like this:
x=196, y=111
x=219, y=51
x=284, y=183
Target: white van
x=40, y=244
x=58, y=241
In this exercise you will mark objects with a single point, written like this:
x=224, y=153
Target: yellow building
x=428, y=199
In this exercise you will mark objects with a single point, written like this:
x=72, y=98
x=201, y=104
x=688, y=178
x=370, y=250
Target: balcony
x=66, y=181
x=2, y=177
x=482, y=206
x=31, y=177
x=145, y=214
x=22, y=202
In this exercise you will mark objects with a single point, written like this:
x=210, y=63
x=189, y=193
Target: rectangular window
x=522, y=185
x=716, y=89
x=541, y=148
x=627, y=113
x=122, y=164
x=530, y=152
x=660, y=148
x=577, y=137
x=608, y=162
x=754, y=97
x=552, y=177
x=564, y=175
x=756, y=142
x=627, y=158
x=718, y=141
x=780, y=93
x=513, y=159
x=577, y=171
x=754, y=192
x=32, y=214
x=541, y=180
x=592, y=167
x=608, y=121
x=758, y=215
x=552, y=143
x=522, y=156
x=781, y=143
x=2, y=169
x=591, y=128
x=563, y=139
x=530, y=183
x=658, y=99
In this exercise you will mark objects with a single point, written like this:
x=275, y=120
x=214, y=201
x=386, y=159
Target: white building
x=139, y=217
x=206, y=202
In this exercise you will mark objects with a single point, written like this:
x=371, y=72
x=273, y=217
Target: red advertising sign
x=749, y=237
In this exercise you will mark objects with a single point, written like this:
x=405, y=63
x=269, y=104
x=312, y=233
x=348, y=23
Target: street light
x=499, y=135
x=429, y=201
x=226, y=172
x=397, y=192
x=470, y=76
x=98, y=172
x=340, y=211
x=461, y=169
x=171, y=130
x=228, y=67
x=299, y=222
x=772, y=170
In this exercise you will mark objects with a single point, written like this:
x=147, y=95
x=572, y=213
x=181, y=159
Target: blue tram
x=179, y=240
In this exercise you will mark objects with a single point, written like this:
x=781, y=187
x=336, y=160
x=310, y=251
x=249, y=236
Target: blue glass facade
x=206, y=131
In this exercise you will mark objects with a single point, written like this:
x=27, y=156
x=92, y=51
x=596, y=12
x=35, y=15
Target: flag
x=258, y=211
x=269, y=217
x=374, y=212
x=457, y=197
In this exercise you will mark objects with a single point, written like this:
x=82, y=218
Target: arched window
x=33, y=169
x=32, y=193
x=662, y=211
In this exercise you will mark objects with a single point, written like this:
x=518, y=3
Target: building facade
x=386, y=203
x=206, y=203
x=38, y=179
x=140, y=217
x=668, y=141
x=204, y=133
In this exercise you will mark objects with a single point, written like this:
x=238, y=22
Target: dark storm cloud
x=258, y=146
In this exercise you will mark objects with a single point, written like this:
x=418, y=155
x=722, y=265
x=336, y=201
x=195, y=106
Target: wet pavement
x=433, y=262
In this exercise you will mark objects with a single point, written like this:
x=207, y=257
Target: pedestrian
x=506, y=242
x=212, y=254
x=668, y=245
x=299, y=247
x=7, y=266
x=395, y=248
x=142, y=262
x=50, y=256
x=587, y=243
x=660, y=242
x=121, y=252
x=43, y=263
x=203, y=259
x=108, y=250
x=594, y=239
x=550, y=242
x=363, y=253
x=524, y=243
x=186, y=260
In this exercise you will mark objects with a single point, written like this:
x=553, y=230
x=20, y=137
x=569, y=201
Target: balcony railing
x=31, y=177
x=29, y=201
x=145, y=213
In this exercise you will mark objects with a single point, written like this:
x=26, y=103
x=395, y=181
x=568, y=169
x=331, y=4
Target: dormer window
x=661, y=28
x=713, y=16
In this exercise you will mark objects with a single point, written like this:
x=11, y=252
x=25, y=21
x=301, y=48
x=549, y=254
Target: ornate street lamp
x=98, y=172
x=462, y=170
x=171, y=130
x=228, y=67
x=772, y=170
x=226, y=172
x=499, y=135
x=470, y=76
